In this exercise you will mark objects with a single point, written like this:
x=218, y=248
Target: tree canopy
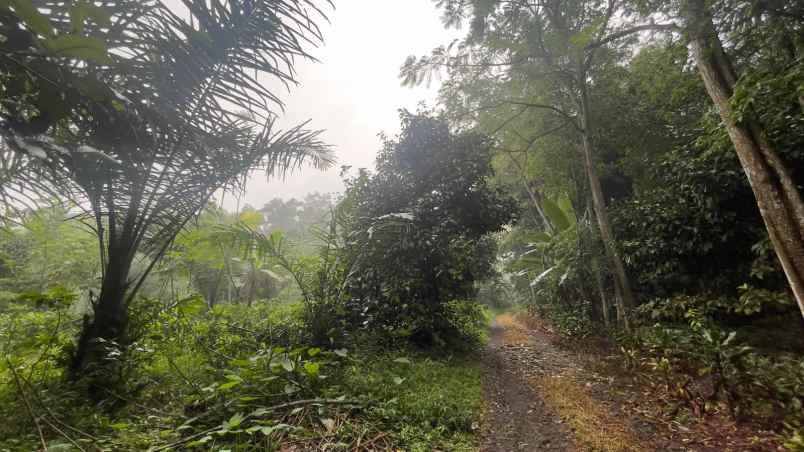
x=420, y=226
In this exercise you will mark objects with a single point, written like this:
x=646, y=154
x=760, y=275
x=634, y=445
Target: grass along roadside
x=562, y=389
x=593, y=425
x=424, y=402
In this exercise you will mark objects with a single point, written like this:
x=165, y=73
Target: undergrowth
x=701, y=362
x=229, y=378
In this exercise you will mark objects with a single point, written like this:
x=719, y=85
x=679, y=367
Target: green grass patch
x=427, y=402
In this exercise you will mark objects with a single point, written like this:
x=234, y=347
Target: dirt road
x=515, y=418
x=541, y=396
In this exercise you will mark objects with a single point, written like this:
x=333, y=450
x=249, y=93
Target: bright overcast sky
x=353, y=92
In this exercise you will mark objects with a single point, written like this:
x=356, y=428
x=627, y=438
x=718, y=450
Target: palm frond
x=178, y=112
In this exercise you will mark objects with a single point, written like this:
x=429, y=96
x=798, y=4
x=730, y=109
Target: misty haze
x=401, y=225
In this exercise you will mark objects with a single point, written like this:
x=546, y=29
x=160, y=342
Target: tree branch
x=570, y=119
x=632, y=30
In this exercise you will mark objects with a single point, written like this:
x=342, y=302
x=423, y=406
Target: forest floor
x=542, y=396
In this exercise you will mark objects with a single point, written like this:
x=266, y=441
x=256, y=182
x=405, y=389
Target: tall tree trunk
x=626, y=301
x=601, y=288
x=110, y=317
x=619, y=305
x=536, y=199
x=252, y=279
x=600, y=280
x=775, y=190
x=213, y=295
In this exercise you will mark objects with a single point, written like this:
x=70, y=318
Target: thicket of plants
x=137, y=314
x=615, y=126
x=629, y=170
x=244, y=336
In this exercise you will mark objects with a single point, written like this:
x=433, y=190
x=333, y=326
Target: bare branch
x=629, y=31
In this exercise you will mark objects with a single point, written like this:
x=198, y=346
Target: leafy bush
x=569, y=320
x=36, y=329
x=6, y=298
x=417, y=230
x=714, y=364
x=467, y=323
x=555, y=269
x=236, y=377
x=699, y=214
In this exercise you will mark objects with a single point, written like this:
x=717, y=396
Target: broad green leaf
x=402, y=361
x=556, y=216
x=267, y=430
x=311, y=368
x=287, y=364
x=541, y=276
x=569, y=212
x=82, y=47
x=200, y=442
x=398, y=380
x=259, y=412
x=233, y=422
x=229, y=385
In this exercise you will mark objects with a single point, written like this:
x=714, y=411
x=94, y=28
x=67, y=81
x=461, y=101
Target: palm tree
x=152, y=110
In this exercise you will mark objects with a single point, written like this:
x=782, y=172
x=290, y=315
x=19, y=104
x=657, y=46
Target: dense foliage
x=133, y=111
x=418, y=230
x=552, y=81
x=230, y=360
x=627, y=170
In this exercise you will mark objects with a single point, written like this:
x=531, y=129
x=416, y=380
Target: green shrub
x=6, y=298
x=683, y=333
x=570, y=320
x=467, y=322
x=191, y=370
